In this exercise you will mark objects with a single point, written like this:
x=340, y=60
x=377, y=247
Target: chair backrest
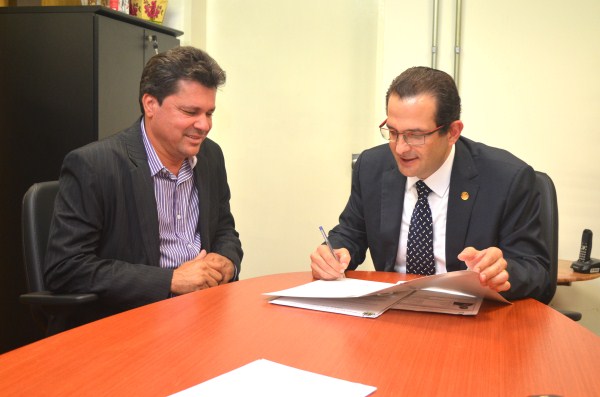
x=38, y=209
x=549, y=220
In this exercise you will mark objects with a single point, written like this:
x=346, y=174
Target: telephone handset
x=586, y=246
x=585, y=263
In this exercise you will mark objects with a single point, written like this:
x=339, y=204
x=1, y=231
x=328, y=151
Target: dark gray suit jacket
x=104, y=237
x=502, y=211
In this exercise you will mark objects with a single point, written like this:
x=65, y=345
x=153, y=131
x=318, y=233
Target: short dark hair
x=423, y=80
x=163, y=72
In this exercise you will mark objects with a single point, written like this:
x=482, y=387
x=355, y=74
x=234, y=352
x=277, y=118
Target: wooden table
x=506, y=350
x=566, y=275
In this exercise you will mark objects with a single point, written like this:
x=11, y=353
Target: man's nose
x=401, y=145
x=203, y=123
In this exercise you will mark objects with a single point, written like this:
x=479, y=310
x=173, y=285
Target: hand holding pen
x=327, y=263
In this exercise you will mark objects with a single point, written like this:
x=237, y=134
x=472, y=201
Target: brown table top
x=566, y=275
x=506, y=350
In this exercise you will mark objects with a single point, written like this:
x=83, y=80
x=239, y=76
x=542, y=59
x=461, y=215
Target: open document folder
x=454, y=292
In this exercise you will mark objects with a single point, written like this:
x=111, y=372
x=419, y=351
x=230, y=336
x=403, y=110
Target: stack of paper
x=454, y=293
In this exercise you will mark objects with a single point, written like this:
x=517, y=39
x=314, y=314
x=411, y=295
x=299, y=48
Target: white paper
x=464, y=281
x=367, y=306
x=439, y=293
x=269, y=379
x=342, y=288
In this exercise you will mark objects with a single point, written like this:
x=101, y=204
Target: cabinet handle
x=154, y=40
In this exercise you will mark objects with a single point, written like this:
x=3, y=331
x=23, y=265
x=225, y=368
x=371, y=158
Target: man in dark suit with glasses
x=432, y=201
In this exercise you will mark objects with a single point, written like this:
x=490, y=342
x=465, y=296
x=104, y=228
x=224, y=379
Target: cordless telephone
x=586, y=246
x=585, y=263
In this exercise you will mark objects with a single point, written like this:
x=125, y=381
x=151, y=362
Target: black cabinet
x=68, y=76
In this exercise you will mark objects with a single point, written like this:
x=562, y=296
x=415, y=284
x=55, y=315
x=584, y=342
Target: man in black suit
x=483, y=203
x=144, y=214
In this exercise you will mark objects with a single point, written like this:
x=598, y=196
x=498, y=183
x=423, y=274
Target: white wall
x=297, y=104
x=540, y=81
x=531, y=84
x=306, y=84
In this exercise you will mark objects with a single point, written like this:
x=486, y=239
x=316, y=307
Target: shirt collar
x=153, y=161
x=439, y=181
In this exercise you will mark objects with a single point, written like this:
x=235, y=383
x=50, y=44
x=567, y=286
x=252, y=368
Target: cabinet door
x=46, y=86
x=123, y=50
x=156, y=41
x=120, y=63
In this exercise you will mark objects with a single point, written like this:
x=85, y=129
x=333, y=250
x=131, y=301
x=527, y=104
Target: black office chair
x=549, y=219
x=38, y=209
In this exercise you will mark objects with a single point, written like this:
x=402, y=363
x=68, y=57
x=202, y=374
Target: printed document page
x=439, y=301
x=439, y=293
x=464, y=281
x=367, y=306
x=269, y=379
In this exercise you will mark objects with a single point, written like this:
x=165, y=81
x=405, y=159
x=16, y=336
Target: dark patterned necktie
x=419, y=250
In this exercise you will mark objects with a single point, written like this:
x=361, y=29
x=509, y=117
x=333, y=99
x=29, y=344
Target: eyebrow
x=194, y=109
x=408, y=131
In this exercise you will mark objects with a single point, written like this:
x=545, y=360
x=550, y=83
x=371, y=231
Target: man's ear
x=150, y=103
x=454, y=131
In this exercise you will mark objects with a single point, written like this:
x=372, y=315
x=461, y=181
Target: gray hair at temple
x=423, y=80
x=163, y=72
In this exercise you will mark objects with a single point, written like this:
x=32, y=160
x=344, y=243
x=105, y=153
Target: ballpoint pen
x=330, y=247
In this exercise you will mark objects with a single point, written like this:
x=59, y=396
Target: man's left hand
x=221, y=264
x=491, y=266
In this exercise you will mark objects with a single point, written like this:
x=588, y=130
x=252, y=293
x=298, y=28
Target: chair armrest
x=575, y=316
x=47, y=298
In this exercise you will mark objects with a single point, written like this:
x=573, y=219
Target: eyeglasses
x=410, y=138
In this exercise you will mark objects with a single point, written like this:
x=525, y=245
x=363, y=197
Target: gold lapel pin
x=464, y=196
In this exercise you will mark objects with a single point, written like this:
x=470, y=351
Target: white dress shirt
x=439, y=183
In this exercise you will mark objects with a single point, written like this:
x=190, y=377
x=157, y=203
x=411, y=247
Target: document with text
x=439, y=301
x=270, y=379
x=452, y=293
x=365, y=306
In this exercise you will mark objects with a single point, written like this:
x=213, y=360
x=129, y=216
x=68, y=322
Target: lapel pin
x=464, y=196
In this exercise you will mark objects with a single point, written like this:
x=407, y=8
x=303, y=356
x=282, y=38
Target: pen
x=329, y=245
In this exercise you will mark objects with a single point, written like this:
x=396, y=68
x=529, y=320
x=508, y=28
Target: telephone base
x=591, y=266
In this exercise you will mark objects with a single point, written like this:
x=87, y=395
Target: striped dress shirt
x=178, y=209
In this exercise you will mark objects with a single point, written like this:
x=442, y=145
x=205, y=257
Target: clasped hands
x=489, y=263
x=204, y=271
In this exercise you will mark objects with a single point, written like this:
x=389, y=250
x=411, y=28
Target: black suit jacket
x=502, y=210
x=104, y=237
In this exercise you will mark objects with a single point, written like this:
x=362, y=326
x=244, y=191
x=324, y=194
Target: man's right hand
x=327, y=267
x=195, y=275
